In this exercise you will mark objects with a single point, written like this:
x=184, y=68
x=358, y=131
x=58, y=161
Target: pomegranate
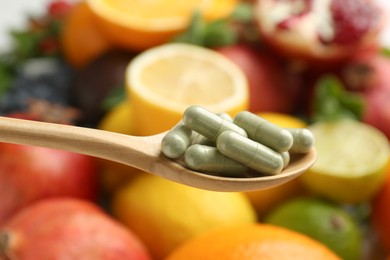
x=320, y=31
x=66, y=228
x=29, y=173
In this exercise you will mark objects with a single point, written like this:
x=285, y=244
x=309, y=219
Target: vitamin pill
x=176, y=141
x=264, y=132
x=286, y=159
x=303, y=140
x=250, y=153
x=200, y=139
x=208, y=159
x=225, y=116
x=207, y=123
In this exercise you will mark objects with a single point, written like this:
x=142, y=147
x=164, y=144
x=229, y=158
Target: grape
x=43, y=78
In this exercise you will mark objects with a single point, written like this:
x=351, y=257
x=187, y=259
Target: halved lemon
x=140, y=25
x=352, y=161
x=163, y=81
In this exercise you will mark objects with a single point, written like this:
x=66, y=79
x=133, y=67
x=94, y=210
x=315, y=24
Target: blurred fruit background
x=323, y=65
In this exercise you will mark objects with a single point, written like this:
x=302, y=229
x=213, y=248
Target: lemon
x=118, y=119
x=164, y=214
x=323, y=221
x=163, y=81
x=352, y=161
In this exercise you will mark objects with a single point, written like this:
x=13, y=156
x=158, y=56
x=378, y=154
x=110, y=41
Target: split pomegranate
x=319, y=30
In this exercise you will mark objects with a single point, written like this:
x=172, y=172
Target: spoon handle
x=130, y=150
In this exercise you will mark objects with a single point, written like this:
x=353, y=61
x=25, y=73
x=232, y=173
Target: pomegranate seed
x=353, y=19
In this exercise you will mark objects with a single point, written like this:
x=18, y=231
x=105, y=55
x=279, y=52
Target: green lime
x=323, y=221
x=351, y=163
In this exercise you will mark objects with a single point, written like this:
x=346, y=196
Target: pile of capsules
x=219, y=145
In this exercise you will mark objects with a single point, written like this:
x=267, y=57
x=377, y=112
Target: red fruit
x=271, y=86
x=319, y=31
x=380, y=214
x=65, y=228
x=59, y=8
x=29, y=173
x=370, y=76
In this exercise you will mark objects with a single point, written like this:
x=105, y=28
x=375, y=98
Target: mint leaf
x=333, y=102
x=213, y=34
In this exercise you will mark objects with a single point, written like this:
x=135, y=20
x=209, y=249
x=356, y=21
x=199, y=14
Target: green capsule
x=303, y=140
x=264, y=132
x=286, y=159
x=250, y=153
x=208, y=159
x=207, y=123
x=176, y=141
x=200, y=139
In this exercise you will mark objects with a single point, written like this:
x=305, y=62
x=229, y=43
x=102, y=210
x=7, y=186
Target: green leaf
x=195, y=32
x=213, y=34
x=219, y=33
x=333, y=102
x=116, y=96
x=243, y=13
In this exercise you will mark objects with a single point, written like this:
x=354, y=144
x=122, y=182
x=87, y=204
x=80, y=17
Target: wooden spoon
x=142, y=152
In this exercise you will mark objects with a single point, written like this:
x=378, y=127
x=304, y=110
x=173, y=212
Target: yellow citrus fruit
x=165, y=80
x=139, y=25
x=265, y=200
x=165, y=214
x=283, y=120
x=81, y=41
x=118, y=119
x=352, y=161
x=252, y=242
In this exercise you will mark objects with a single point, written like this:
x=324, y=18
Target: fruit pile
x=314, y=64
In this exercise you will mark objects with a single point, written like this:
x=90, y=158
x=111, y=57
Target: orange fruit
x=80, y=40
x=164, y=81
x=138, y=25
x=250, y=242
x=265, y=200
x=381, y=212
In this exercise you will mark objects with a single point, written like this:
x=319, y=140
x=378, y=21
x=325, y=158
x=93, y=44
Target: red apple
x=319, y=31
x=66, y=228
x=29, y=173
x=369, y=75
x=272, y=87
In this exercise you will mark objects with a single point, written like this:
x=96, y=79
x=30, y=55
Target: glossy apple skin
x=272, y=87
x=377, y=112
x=68, y=228
x=30, y=173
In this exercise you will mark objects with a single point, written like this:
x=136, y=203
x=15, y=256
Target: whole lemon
x=164, y=214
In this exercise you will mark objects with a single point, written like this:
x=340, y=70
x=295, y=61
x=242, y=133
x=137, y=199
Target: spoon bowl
x=142, y=152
